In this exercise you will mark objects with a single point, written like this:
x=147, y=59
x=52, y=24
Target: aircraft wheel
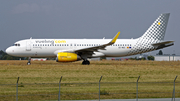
x=28, y=63
x=83, y=63
x=86, y=62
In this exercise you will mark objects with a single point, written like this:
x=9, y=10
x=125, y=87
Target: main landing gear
x=29, y=61
x=85, y=62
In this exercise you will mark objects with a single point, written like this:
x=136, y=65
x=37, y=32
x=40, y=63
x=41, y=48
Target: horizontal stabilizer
x=163, y=44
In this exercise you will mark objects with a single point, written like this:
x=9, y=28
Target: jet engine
x=67, y=57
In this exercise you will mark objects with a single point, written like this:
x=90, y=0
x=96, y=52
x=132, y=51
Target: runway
x=155, y=99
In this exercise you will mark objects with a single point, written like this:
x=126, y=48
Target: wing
x=102, y=47
x=90, y=50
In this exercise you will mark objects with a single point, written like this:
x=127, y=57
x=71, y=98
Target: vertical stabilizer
x=157, y=30
x=154, y=34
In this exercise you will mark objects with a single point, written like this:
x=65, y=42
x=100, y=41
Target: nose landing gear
x=29, y=61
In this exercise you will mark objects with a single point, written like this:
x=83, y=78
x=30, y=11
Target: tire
x=85, y=62
x=28, y=63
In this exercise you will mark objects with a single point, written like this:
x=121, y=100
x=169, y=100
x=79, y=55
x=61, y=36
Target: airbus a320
x=69, y=50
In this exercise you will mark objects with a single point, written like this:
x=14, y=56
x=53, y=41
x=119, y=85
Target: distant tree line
x=143, y=58
x=160, y=52
x=5, y=56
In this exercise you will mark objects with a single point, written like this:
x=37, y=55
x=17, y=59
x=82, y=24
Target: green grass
x=112, y=71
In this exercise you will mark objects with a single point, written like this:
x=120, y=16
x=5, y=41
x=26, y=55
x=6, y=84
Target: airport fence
x=94, y=90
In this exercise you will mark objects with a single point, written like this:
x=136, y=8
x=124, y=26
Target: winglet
x=115, y=38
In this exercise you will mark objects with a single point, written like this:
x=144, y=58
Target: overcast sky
x=22, y=19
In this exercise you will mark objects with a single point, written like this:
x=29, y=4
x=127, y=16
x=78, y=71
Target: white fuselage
x=50, y=47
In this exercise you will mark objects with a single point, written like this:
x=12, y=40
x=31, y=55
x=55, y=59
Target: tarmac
x=155, y=99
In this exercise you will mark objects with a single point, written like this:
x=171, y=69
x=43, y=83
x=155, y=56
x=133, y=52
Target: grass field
x=112, y=71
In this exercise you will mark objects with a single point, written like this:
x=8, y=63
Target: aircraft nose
x=7, y=51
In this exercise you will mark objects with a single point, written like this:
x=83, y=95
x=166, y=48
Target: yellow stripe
x=115, y=38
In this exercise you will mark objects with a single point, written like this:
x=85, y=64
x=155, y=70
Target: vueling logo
x=59, y=41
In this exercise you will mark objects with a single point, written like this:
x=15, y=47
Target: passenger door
x=28, y=45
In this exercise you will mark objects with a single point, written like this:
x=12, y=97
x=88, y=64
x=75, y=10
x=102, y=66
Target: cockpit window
x=16, y=44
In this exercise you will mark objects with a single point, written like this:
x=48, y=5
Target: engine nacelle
x=67, y=57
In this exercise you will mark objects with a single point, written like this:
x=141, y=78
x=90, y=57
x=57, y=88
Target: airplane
x=70, y=50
